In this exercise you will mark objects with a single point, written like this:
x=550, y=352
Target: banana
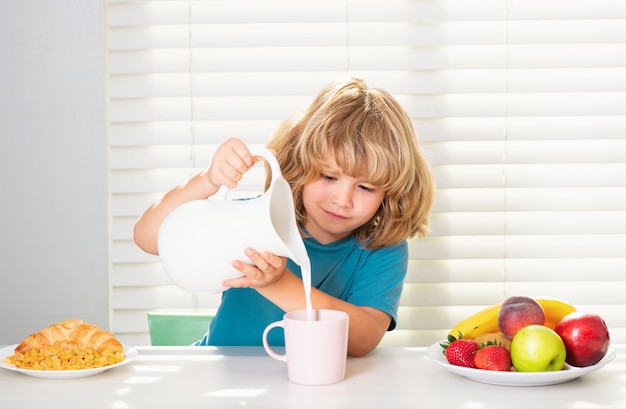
x=486, y=320
x=482, y=322
x=554, y=310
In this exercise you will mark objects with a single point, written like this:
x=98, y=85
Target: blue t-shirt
x=343, y=269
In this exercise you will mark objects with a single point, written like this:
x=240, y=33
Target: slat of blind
x=419, y=106
x=529, y=199
x=476, y=152
x=164, y=12
x=433, y=296
x=160, y=180
x=526, y=269
x=560, y=175
x=368, y=34
x=291, y=83
x=158, y=297
x=171, y=133
x=532, y=246
x=565, y=9
x=178, y=12
x=530, y=175
x=582, y=222
x=431, y=131
x=360, y=58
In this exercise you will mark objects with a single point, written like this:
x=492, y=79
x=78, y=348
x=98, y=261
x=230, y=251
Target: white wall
x=53, y=203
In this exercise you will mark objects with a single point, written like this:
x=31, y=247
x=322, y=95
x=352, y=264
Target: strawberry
x=493, y=358
x=460, y=351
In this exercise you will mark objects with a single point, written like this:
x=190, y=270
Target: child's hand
x=267, y=269
x=231, y=160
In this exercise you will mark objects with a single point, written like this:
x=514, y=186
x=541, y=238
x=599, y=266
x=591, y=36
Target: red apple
x=517, y=312
x=586, y=338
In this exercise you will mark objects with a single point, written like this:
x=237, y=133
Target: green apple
x=537, y=348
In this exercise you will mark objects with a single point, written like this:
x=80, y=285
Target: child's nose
x=342, y=196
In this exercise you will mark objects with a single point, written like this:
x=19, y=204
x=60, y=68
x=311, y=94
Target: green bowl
x=177, y=329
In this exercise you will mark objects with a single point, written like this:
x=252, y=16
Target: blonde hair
x=371, y=136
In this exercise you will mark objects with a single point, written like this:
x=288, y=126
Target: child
x=361, y=188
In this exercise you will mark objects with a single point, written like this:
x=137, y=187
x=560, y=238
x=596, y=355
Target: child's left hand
x=267, y=269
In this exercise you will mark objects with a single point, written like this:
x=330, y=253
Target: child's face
x=337, y=204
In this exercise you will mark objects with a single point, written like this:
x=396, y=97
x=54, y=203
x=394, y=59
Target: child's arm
x=270, y=277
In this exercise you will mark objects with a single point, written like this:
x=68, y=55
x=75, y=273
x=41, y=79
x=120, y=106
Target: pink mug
x=315, y=349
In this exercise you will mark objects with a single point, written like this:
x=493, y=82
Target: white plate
x=517, y=378
x=129, y=352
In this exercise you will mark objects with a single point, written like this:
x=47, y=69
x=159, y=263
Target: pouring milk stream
x=198, y=240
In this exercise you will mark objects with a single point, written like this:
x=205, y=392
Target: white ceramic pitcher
x=198, y=240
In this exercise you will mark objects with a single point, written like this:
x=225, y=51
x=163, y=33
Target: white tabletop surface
x=207, y=377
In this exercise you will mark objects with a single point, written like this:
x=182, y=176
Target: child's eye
x=366, y=188
x=328, y=177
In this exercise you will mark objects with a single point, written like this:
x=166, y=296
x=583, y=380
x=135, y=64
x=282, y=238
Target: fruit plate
x=129, y=352
x=517, y=378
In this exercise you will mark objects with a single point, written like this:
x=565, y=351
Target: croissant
x=71, y=333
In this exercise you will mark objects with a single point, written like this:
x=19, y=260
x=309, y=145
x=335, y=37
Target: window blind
x=519, y=104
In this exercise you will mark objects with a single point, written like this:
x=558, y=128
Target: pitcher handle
x=255, y=150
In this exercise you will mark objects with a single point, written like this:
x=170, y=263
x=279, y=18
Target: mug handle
x=266, y=345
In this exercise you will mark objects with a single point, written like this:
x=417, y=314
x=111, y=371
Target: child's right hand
x=231, y=160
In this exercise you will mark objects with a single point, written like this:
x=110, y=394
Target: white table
x=206, y=377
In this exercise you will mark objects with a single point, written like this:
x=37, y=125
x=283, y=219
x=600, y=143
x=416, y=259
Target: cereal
x=58, y=359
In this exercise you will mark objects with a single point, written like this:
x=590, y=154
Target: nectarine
x=517, y=312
